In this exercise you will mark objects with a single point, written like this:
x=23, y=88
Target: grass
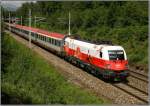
x=30, y=78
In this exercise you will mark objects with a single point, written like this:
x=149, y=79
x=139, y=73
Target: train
x=104, y=60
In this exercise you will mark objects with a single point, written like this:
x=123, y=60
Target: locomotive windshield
x=116, y=54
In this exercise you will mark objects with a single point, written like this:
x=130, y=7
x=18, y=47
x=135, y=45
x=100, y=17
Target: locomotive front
x=116, y=63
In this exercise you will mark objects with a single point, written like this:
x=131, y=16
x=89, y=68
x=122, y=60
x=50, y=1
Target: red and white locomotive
x=108, y=61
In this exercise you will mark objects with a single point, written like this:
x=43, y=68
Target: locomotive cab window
x=116, y=54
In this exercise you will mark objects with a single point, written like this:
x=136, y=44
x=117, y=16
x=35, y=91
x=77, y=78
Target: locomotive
x=104, y=60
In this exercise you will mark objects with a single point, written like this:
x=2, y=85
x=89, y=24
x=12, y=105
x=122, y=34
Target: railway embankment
x=28, y=79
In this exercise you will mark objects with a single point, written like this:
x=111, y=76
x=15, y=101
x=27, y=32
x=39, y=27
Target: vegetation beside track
x=29, y=79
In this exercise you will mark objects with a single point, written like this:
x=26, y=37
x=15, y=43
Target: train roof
x=97, y=41
x=37, y=30
x=93, y=45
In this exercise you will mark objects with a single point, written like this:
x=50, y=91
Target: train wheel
x=82, y=66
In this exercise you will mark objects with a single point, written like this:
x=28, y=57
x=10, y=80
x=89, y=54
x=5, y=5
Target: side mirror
x=101, y=54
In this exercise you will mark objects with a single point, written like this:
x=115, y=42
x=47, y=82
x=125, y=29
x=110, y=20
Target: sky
x=15, y=3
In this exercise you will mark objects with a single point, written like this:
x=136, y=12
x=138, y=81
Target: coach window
x=52, y=41
x=49, y=39
x=44, y=38
x=32, y=34
x=25, y=32
x=58, y=43
x=40, y=37
x=35, y=35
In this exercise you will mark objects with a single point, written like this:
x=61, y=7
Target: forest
x=125, y=23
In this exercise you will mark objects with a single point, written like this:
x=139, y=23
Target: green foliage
x=123, y=22
x=29, y=77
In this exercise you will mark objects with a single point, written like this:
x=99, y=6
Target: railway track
x=129, y=93
x=144, y=92
x=137, y=84
x=139, y=76
x=133, y=91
